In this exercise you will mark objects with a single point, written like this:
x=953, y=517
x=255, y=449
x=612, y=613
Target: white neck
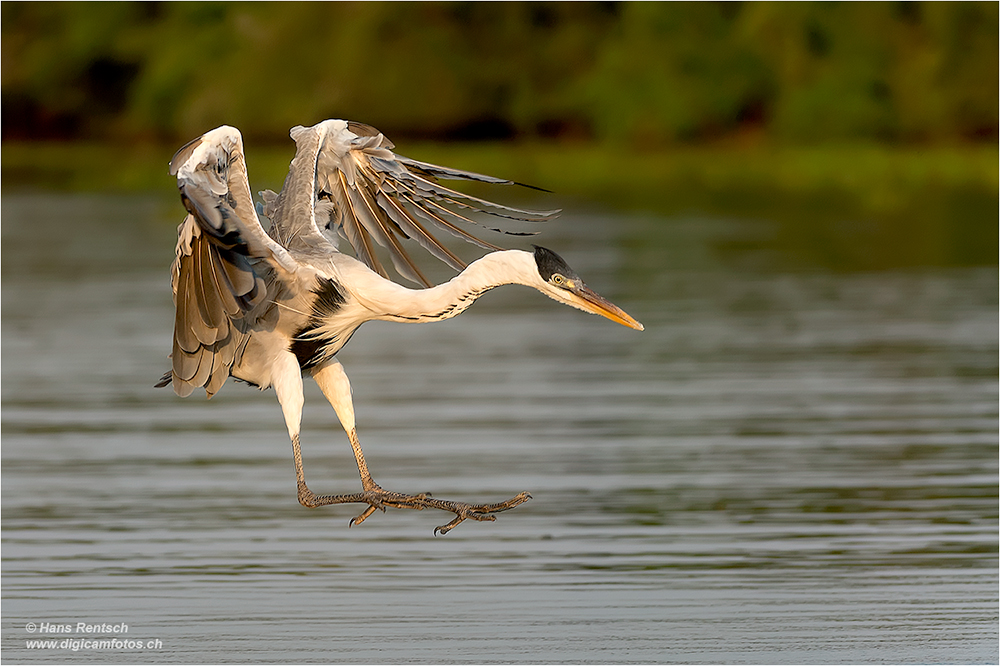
x=392, y=302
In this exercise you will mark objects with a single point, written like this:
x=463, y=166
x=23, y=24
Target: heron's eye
x=558, y=280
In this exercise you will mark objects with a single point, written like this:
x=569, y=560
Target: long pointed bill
x=589, y=300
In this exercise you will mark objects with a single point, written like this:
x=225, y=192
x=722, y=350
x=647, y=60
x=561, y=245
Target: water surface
x=790, y=465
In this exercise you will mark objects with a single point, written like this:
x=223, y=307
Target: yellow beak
x=591, y=301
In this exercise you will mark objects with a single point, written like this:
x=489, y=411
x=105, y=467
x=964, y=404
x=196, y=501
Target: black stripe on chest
x=329, y=299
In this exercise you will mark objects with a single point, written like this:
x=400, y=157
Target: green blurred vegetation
x=872, y=121
x=646, y=74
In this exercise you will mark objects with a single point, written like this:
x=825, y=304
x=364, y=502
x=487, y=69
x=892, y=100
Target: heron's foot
x=378, y=498
x=482, y=512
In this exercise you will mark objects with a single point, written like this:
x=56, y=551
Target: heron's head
x=561, y=283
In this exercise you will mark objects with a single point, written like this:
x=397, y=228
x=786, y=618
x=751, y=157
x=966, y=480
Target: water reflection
x=786, y=466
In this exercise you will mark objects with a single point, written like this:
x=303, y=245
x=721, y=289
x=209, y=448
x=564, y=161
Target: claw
x=444, y=529
x=357, y=520
x=475, y=515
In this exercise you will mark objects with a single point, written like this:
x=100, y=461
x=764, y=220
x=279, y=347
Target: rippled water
x=786, y=466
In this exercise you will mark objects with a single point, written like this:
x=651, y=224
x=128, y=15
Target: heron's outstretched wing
x=222, y=258
x=345, y=176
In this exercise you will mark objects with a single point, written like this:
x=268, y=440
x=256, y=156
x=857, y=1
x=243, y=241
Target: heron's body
x=271, y=307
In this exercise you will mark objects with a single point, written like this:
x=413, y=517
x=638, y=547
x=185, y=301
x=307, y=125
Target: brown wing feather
x=218, y=294
x=205, y=338
x=378, y=197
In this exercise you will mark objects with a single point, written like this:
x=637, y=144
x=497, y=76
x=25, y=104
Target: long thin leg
x=335, y=385
x=287, y=382
x=333, y=381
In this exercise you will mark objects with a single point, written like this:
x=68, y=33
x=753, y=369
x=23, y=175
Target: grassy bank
x=877, y=178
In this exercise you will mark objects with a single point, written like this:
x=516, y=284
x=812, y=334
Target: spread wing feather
x=357, y=233
x=416, y=231
x=425, y=212
x=384, y=231
x=214, y=282
x=379, y=199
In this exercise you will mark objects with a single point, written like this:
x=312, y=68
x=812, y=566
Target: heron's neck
x=396, y=303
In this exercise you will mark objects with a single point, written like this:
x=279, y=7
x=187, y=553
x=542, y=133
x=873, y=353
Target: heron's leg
x=287, y=382
x=335, y=385
x=333, y=381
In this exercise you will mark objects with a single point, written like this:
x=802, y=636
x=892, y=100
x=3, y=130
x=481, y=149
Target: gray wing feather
x=378, y=224
x=293, y=211
x=380, y=198
x=216, y=288
x=433, y=190
x=422, y=210
x=356, y=233
x=436, y=171
x=205, y=334
x=224, y=287
x=416, y=231
x=210, y=307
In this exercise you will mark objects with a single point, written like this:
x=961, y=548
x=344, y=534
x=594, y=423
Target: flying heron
x=271, y=307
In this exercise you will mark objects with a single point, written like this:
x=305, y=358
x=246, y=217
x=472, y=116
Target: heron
x=273, y=306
